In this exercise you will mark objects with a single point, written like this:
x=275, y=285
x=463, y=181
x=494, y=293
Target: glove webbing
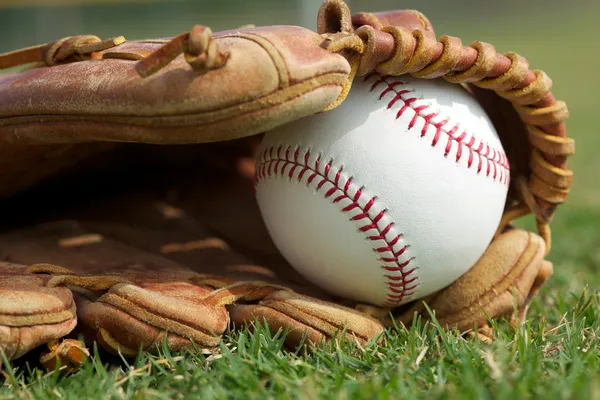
x=393, y=50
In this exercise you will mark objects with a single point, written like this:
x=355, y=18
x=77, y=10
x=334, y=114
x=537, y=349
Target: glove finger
x=307, y=318
x=510, y=272
x=126, y=298
x=296, y=332
x=129, y=317
x=31, y=314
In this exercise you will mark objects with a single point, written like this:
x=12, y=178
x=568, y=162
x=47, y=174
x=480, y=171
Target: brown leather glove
x=158, y=233
x=142, y=267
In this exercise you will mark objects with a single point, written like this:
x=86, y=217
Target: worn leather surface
x=273, y=75
x=267, y=67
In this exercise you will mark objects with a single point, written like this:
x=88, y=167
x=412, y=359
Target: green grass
x=555, y=355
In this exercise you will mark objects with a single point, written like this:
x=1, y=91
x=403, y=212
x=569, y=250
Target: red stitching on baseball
x=497, y=158
x=402, y=284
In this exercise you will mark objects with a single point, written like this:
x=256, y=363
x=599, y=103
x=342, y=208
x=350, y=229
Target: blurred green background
x=26, y=22
x=557, y=36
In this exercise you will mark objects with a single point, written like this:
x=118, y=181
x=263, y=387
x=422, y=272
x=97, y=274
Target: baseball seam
x=497, y=165
x=386, y=241
x=401, y=277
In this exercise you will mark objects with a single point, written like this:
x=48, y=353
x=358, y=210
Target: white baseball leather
x=389, y=197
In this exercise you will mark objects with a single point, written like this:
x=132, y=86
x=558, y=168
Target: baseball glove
x=127, y=172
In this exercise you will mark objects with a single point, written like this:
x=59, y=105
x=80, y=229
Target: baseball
x=391, y=196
